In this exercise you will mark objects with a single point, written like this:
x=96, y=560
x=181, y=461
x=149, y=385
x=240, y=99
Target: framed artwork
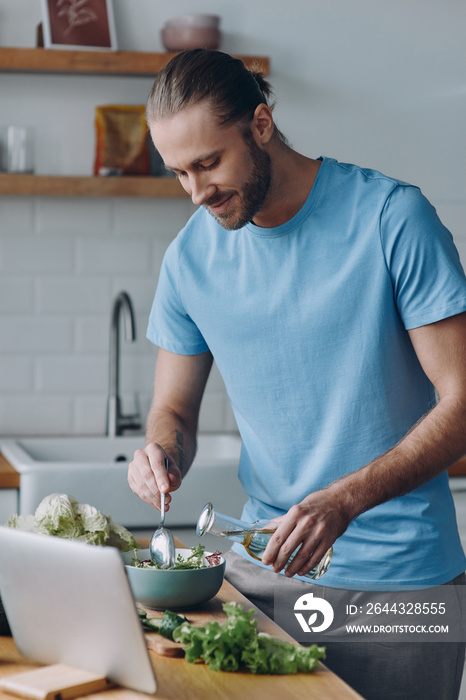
x=79, y=24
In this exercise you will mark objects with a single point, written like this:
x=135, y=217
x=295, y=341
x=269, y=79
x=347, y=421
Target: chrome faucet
x=116, y=421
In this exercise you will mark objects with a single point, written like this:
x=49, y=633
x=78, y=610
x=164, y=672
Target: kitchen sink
x=94, y=470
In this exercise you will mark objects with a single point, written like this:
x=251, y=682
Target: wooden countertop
x=9, y=477
x=179, y=680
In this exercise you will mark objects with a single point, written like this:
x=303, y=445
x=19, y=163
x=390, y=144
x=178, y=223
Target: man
x=333, y=302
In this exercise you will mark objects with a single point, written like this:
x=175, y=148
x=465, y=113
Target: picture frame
x=79, y=24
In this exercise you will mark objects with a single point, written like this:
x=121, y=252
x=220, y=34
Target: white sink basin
x=94, y=470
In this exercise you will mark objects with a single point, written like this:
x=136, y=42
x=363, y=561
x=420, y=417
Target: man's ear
x=262, y=123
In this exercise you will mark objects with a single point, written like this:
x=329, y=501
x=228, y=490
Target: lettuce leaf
x=237, y=645
x=272, y=655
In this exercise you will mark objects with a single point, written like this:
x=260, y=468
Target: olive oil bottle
x=253, y=536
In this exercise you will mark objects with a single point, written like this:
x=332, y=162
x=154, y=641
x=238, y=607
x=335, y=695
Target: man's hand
x=312, y=525
x=147, y=476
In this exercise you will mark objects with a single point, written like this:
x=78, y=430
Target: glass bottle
x=253, y=536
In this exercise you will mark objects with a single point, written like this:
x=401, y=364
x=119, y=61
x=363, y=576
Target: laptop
x=71, y=603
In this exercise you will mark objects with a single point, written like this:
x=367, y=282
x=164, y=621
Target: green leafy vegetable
x=276, y=656
x=236, y=645
x=194, y=561
x=164, y=625
x=62, y=516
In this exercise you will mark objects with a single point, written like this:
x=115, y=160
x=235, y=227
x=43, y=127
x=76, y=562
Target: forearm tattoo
x=179, y=445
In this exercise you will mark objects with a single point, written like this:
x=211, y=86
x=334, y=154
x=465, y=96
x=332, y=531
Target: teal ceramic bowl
x=173, y=589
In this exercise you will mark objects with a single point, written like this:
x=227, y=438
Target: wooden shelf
x=96, y=62
x=74, y=186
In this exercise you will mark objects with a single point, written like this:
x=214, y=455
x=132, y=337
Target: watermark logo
x=314, y=605
x=430, y=614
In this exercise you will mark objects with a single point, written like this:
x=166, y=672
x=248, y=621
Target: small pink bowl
x=184, y=38
x=196, y=20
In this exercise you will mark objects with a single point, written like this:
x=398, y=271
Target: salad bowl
x=178, y=588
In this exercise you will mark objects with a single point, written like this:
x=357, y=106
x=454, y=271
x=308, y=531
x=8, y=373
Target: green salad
x=196, y=560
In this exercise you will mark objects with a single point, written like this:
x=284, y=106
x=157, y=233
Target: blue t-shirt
x=307, y=323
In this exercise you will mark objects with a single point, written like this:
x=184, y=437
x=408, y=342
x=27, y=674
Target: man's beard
x=253, y=193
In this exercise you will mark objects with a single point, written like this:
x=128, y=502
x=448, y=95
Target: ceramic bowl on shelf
x=192, y=32
x=195, y=20
x=173, y=589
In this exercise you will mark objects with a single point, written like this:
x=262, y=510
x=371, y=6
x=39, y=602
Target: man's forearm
x=437, y=441
x=177, y=438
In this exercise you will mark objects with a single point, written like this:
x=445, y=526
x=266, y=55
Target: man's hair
x=190, y=77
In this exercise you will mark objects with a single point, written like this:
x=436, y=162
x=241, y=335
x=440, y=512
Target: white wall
x=381, y=84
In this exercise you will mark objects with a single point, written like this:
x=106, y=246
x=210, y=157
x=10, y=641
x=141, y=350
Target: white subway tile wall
x=62, y=263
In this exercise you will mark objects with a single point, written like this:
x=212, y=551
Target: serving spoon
x=162, y=544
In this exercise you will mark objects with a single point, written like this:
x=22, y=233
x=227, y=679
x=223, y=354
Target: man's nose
x=200, y=190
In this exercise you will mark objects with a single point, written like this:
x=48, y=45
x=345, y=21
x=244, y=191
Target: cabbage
x=23, y=522
x=94, y=523
x=120, y=537
x=62, y=516
x=56, y=514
